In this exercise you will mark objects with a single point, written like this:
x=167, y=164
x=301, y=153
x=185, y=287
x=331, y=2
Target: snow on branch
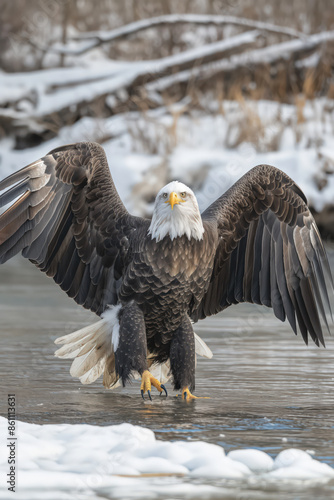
x=197, y=56
x=60, y=96
x=267, y=55
x=56, y=90
x=98, y=38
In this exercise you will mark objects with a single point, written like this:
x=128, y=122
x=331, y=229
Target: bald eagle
x=149, y=280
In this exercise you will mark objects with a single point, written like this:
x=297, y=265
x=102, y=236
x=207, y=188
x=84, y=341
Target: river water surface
x=267, y=389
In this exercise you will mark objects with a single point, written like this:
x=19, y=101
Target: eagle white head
x=176, y=213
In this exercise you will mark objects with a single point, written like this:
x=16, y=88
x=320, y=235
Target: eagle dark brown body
x=167, y=281
x=148, y=280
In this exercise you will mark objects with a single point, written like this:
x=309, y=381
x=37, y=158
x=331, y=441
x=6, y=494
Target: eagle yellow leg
x=187, y=396
x=147, y=380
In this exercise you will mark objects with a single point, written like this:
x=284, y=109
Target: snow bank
x=116, y=461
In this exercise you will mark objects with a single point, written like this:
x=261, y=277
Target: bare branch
x=59, y=95
x=95, y=39
x=127, y=80
x=196, y=57
x=267, y=55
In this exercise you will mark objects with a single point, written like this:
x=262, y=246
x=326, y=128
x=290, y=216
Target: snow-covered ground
x=83, y=461
x=207, y=150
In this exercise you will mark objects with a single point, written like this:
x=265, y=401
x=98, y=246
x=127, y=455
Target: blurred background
x=199, y=91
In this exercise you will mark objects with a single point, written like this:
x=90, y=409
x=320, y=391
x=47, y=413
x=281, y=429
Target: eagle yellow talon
x=147, y=380
x=187, y=396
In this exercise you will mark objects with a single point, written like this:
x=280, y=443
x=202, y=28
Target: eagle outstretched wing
x=68, y=219
x=269, y=252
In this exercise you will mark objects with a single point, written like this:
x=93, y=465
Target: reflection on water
x=267, y=389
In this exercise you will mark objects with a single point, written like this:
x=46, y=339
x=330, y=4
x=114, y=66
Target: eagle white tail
x=93, y=349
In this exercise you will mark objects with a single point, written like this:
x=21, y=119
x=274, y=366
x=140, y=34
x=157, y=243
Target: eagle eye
x=164, y=195
x=183, y=194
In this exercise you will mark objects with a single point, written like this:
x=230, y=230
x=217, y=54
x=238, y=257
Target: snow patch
x=83, y=459
x=255, y=460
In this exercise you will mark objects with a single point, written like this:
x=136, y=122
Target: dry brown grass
x=300, y=105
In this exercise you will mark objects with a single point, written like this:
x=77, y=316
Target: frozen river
x=267, y=389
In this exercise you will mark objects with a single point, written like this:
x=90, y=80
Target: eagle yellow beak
x=174, y=199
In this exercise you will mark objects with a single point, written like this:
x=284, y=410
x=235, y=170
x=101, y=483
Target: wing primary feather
x=322, y=282
x=239, y=275
x=300, y=319
x=77, y=280
x=15, y=191
x=316, y=292
x=281, y=273
x=64, y=262
x=305, y=316
x=42, y=234
x=34, y=170
x=249, y=260
x=312, y=311
x=232, y=277
x=276, y=267
x=70, y=271
x=264, y=282
x=83, y=289
x=58, y=239
x=314, y=232
x=16, y=242
x=255, y=291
